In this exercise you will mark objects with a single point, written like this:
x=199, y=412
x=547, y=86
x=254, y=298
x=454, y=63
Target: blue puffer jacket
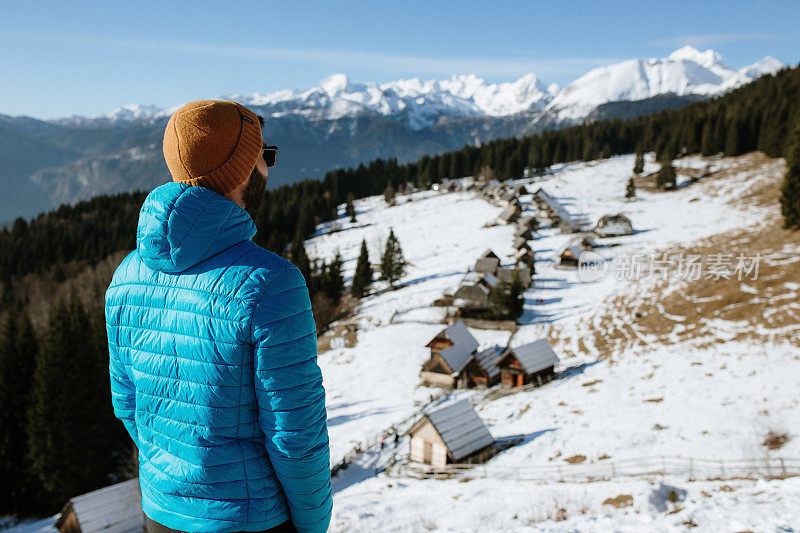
x=214, y=372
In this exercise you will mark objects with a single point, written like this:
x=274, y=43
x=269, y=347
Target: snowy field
x=686, y=400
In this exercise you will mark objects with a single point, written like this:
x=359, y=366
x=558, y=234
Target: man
x=213, y=346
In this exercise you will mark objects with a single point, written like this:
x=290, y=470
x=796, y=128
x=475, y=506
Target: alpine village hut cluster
x=456, y=362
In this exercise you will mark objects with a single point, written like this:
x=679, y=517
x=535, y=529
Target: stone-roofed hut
x=530, y=363
x=448, y=435
x=481, y=370
x=451, y=350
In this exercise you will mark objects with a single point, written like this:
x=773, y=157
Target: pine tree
x=350, y=209
x=516, y=300
x=638, y=164
x=298, y=256
x=630, y=189
x=393, y=264
x=75, y=442
x=18, y=351
x=388, y=195
x=666, y=175
x=362, y=278
x=790, y=190
x=334, y=282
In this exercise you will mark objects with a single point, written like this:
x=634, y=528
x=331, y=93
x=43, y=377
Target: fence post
x=613, y=469
x=663, y=466
x=691, y=468
x=783, y=467
x=722, y=467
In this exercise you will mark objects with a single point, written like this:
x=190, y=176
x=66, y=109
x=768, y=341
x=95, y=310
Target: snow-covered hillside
x=419, y=103
x=697, y=400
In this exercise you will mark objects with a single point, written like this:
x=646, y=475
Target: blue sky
x=86, y=58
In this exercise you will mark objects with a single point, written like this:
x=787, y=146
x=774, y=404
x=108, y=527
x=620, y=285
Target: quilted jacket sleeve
x=123, y=392
x=291, y=399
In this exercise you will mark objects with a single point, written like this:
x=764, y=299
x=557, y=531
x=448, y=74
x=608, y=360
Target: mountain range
x=343, y=123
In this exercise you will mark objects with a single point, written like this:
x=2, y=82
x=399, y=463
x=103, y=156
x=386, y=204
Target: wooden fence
x=690, y=468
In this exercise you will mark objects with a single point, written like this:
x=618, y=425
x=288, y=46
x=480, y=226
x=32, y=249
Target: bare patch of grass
x=620, y=501
x=575, y=459
x=775, y=440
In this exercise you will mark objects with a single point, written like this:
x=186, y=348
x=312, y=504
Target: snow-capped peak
x=334, y=84
x=685, y=71
x=707, y=59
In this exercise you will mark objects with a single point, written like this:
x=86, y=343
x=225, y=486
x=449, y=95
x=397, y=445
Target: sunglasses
x=269, y=153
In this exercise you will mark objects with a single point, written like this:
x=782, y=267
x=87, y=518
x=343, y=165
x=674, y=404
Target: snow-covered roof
x=114, y=509
x=488, y=358
x=461, y=429
x=535, y=356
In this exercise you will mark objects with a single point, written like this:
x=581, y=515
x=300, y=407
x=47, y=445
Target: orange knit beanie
x=212, y=143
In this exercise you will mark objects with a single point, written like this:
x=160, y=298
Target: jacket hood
x=181, y=225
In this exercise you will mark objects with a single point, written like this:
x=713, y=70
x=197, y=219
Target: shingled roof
x=535, y=356
x=488, y=358
x=457, y=333
x=487, y=264
x=461, y=429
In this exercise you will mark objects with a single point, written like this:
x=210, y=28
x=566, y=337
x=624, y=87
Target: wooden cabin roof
x=534, y=356
x=460, y=427
x=488, y=253
x=506, y=275
x=488, y=358
x=457, y=333
x=487, y=264
x=114, y=509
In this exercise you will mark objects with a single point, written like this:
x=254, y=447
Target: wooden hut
x=508, y=216
x=448, y=435
x=613, y=226
x=528, y=222
x=506, y=275
x=521, y=243
x=474, y=290
x=523, y=232
x=487, y=265
x=450, y=350
x=570, y=256
x=481, y=370
x=114, y=509
x=523, y=257
x=530, y=363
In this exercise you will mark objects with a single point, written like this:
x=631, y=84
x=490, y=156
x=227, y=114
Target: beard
x=253, y=193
